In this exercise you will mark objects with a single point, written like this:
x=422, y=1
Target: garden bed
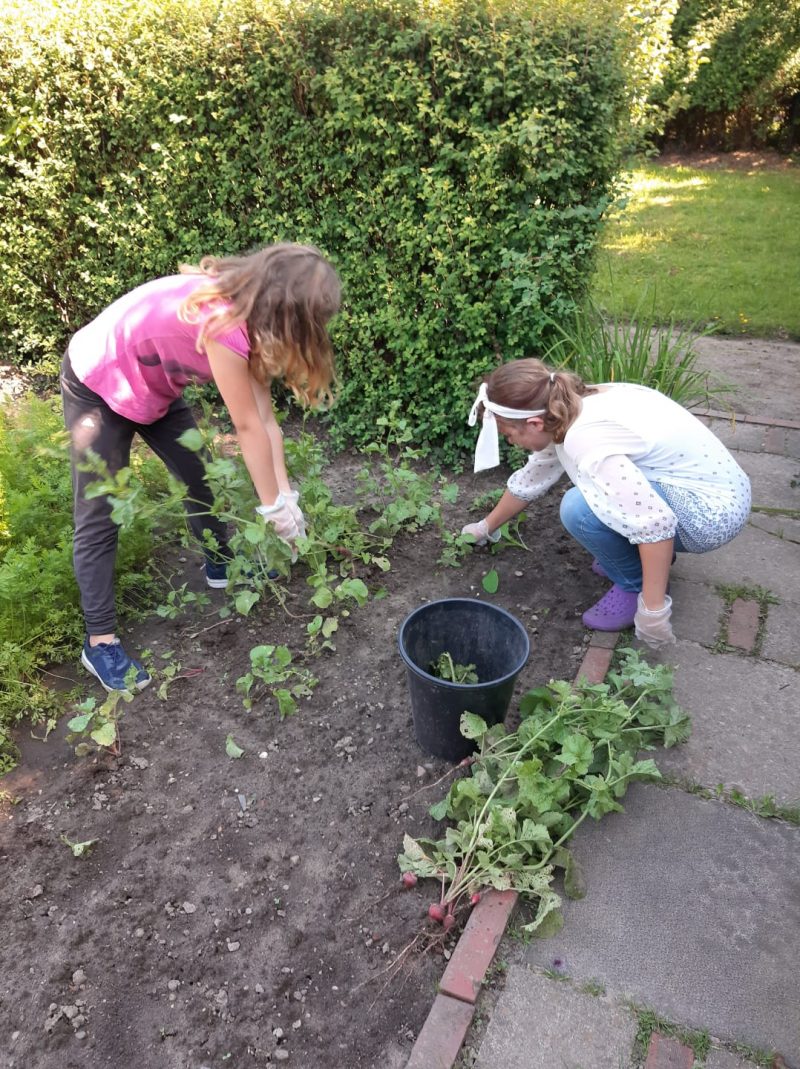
x=238, y=912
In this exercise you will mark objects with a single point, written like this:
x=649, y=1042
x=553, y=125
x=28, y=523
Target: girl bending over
x=242, y=321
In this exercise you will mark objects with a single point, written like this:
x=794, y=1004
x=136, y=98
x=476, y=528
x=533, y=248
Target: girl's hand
x=280, y=516
x=292, y=500
x=480, y=532
x=653, y=626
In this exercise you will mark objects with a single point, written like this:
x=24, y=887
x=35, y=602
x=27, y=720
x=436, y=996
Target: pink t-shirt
x=139, y=356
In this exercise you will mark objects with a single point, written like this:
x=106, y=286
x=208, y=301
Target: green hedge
x=453, y=159
x=735, y=65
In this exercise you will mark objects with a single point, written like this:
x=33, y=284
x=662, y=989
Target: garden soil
x=249, y=912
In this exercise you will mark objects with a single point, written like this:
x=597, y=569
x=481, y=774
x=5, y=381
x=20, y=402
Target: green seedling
x=320, y=631
x=79, y=849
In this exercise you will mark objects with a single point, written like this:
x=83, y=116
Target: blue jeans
x=618, y=556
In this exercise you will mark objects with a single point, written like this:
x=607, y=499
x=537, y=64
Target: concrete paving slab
x=775, y=480
x=752, y=559
x=692, y=910
x=540, y=1023
x=748, y=437
x=765, y=374
x=792, y=443
x=785, y=527
x=697, y=611
x=724, y=1059
x=782, y=636
x=745, y=723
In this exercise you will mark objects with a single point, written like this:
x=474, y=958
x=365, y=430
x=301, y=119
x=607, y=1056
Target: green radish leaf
x=491, y=581
x=245, y=600
x=254, y=533
x=472, y=726
x=323, y=597
x=192, y=439
x=106, y=735
x=231, y=749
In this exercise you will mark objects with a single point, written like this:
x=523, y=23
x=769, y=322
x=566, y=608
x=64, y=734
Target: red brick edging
x=448, y=1022
x=667, y=1053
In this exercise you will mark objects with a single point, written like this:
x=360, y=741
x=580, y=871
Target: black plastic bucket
x=472, y=632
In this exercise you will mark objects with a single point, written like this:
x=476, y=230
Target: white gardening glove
x=292, y=499
x=654, y=627
x=480, y=532
x=281, y=517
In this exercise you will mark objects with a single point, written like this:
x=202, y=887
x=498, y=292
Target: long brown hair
x=286, y=294
x=529, y=384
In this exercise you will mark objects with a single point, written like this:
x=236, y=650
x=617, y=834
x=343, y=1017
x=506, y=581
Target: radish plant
x=99, y=723
x=572, y=757
x=272, y=668
x=444, y=667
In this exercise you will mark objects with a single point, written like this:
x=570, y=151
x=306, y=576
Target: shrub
x=40, y=619
x=453, y=158
x=745, y=90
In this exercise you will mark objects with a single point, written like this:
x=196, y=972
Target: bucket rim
x=446, y=682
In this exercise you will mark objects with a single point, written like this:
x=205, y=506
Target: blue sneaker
x=217, y=575
x=109, y=663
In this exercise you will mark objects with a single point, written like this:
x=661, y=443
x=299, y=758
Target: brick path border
x=445, y=1029
x=740, y=417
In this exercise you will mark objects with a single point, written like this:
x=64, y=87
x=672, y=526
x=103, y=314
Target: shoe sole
x=216, y=584
x=87, y=664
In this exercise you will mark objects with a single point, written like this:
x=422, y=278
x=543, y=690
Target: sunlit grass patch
x=711, y=246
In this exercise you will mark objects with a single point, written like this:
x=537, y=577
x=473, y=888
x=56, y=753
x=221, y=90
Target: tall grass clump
x=643, y=350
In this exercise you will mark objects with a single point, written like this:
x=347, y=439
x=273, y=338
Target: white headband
x=487, y=450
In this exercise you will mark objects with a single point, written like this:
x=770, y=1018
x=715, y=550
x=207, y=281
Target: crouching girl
x=650, y=480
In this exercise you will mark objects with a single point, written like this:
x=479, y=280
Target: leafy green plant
x=40, y=618
x=444, y=667
x=737, y=95
x=404, y=497
x=79, y=849
x=98, y=723
x=271, y=668
x=572, y=757
x=602, y=349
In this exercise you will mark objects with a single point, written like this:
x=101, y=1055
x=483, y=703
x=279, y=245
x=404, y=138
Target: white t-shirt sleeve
x=542, y=471
x=621, y=497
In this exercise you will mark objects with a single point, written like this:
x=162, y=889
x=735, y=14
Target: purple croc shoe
x=613, y=612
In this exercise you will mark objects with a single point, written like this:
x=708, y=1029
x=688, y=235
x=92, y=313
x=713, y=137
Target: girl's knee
x=573, y=509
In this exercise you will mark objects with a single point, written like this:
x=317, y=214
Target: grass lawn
x=717, y=246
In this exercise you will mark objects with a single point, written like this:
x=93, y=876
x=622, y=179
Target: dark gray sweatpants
x=93, y=425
